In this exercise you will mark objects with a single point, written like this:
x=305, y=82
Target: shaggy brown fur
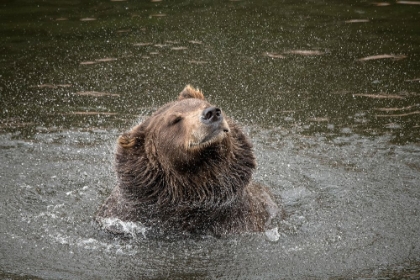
x=181, y=171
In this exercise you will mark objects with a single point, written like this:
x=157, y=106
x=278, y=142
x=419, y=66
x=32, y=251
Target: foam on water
x=273, y=234
x=115, y=225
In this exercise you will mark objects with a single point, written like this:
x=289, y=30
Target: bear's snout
x=211, y=115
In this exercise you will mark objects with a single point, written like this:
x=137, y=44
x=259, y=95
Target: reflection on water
x=329, y=92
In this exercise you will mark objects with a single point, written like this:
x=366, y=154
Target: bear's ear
x=190, y=92
x=133, y=137
x=126, y=140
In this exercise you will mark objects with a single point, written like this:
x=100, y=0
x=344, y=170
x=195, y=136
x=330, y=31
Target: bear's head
x=188, y=150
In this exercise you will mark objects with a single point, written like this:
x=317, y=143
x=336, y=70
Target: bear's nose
x=212, y=114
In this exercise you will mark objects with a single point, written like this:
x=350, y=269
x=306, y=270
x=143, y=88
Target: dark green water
x=329, y=92
x=45, y=43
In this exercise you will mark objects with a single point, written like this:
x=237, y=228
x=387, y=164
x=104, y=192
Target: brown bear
x=188, y=168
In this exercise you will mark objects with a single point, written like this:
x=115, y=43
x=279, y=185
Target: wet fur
x=205, y=189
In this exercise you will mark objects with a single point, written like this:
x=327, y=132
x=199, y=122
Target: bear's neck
x=213, y=180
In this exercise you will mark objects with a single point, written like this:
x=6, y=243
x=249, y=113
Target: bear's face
x=189, y=124
x=179, y=131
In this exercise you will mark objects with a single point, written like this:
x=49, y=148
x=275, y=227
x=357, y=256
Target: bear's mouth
x=209, y=136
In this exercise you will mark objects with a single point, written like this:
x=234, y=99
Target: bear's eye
x=176, y=120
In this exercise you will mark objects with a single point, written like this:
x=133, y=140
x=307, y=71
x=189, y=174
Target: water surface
x=329, y=93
